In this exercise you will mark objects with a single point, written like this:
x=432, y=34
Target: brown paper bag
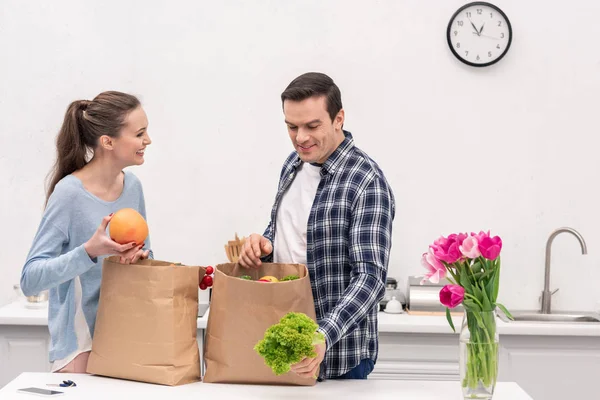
x=240, y=313
x=147, y=323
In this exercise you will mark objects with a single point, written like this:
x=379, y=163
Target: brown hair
x=315, y=84
x=85, y=122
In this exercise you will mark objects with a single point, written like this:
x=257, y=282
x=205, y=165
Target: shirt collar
x=340, y=154
x=336, y=158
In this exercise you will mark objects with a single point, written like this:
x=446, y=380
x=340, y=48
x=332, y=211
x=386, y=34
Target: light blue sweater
x=57, y=255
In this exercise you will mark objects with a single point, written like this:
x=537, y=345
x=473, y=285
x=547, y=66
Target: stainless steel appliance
x=425, y=297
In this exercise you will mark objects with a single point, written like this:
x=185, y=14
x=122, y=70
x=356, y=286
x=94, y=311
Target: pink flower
x=460, y=237
x=447, y=249
x=470, y=247
x=479, y=236
x=452, y=295
x=490, y=247
x=436, y=270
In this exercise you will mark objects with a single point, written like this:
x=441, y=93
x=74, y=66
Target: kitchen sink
x=536, y=316
x=545, y=314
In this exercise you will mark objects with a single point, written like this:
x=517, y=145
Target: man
x=333, y=212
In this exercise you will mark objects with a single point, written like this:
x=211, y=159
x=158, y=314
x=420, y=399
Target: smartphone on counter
x=40, y=392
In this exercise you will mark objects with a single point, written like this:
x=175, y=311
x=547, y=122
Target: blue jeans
x=361, y=371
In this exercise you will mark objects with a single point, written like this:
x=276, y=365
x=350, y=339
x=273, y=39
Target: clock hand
x=473, y=25
x=481, y=30
x=487, y=36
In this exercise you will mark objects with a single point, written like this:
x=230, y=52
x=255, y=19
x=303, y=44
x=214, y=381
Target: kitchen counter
x=551, y=361
x=16, y=314
x=405, y=323
x=94, y=387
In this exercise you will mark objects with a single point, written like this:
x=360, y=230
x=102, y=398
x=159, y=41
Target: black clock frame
x=479, y=3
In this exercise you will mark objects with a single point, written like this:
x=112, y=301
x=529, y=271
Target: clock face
x=479, y=34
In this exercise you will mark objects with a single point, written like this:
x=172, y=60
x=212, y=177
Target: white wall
x=512, y=147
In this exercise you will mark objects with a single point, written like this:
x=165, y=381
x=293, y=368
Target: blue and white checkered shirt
x=349, y=236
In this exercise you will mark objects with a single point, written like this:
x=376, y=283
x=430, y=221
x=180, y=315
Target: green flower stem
x=475, y=299
x=481, y=351
x=480, y=279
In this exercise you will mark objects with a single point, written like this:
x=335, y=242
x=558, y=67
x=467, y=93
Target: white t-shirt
x=292, y=215
x=82, y=332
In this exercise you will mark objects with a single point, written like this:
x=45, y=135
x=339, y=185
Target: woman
x=97, y=140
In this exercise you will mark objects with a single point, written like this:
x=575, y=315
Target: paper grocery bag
x=240, y=313
x=147, y=323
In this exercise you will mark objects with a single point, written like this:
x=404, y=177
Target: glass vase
x=478, y=354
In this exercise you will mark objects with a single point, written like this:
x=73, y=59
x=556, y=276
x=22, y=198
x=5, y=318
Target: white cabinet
x=546, y=367
x=23, y=349
x=552, y=367
x=415, y=356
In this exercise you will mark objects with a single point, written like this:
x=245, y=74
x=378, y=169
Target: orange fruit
x=128, y=225
x=269, y=278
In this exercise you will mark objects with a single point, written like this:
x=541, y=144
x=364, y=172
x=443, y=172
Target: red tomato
x=203, y=286
x=209, y=270
x=207, y=280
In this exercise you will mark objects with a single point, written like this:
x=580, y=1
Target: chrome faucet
x=547, y=294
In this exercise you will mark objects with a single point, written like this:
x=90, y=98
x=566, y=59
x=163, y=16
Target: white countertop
x=405, y=323
x=94, y=387
x=16, y=314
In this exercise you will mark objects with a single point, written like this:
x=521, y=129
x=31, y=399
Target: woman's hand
x=101, y=245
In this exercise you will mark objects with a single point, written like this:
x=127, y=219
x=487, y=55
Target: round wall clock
x=479, y=34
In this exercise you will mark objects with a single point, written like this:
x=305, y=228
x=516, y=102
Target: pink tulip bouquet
x=471, y=263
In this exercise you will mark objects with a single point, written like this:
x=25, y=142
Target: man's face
x=311, y=130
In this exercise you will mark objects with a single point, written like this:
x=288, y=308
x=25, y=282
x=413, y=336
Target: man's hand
x=255, y=247
x=308, y=367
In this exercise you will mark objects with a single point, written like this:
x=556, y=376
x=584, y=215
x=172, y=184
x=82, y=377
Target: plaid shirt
x=349, y=236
